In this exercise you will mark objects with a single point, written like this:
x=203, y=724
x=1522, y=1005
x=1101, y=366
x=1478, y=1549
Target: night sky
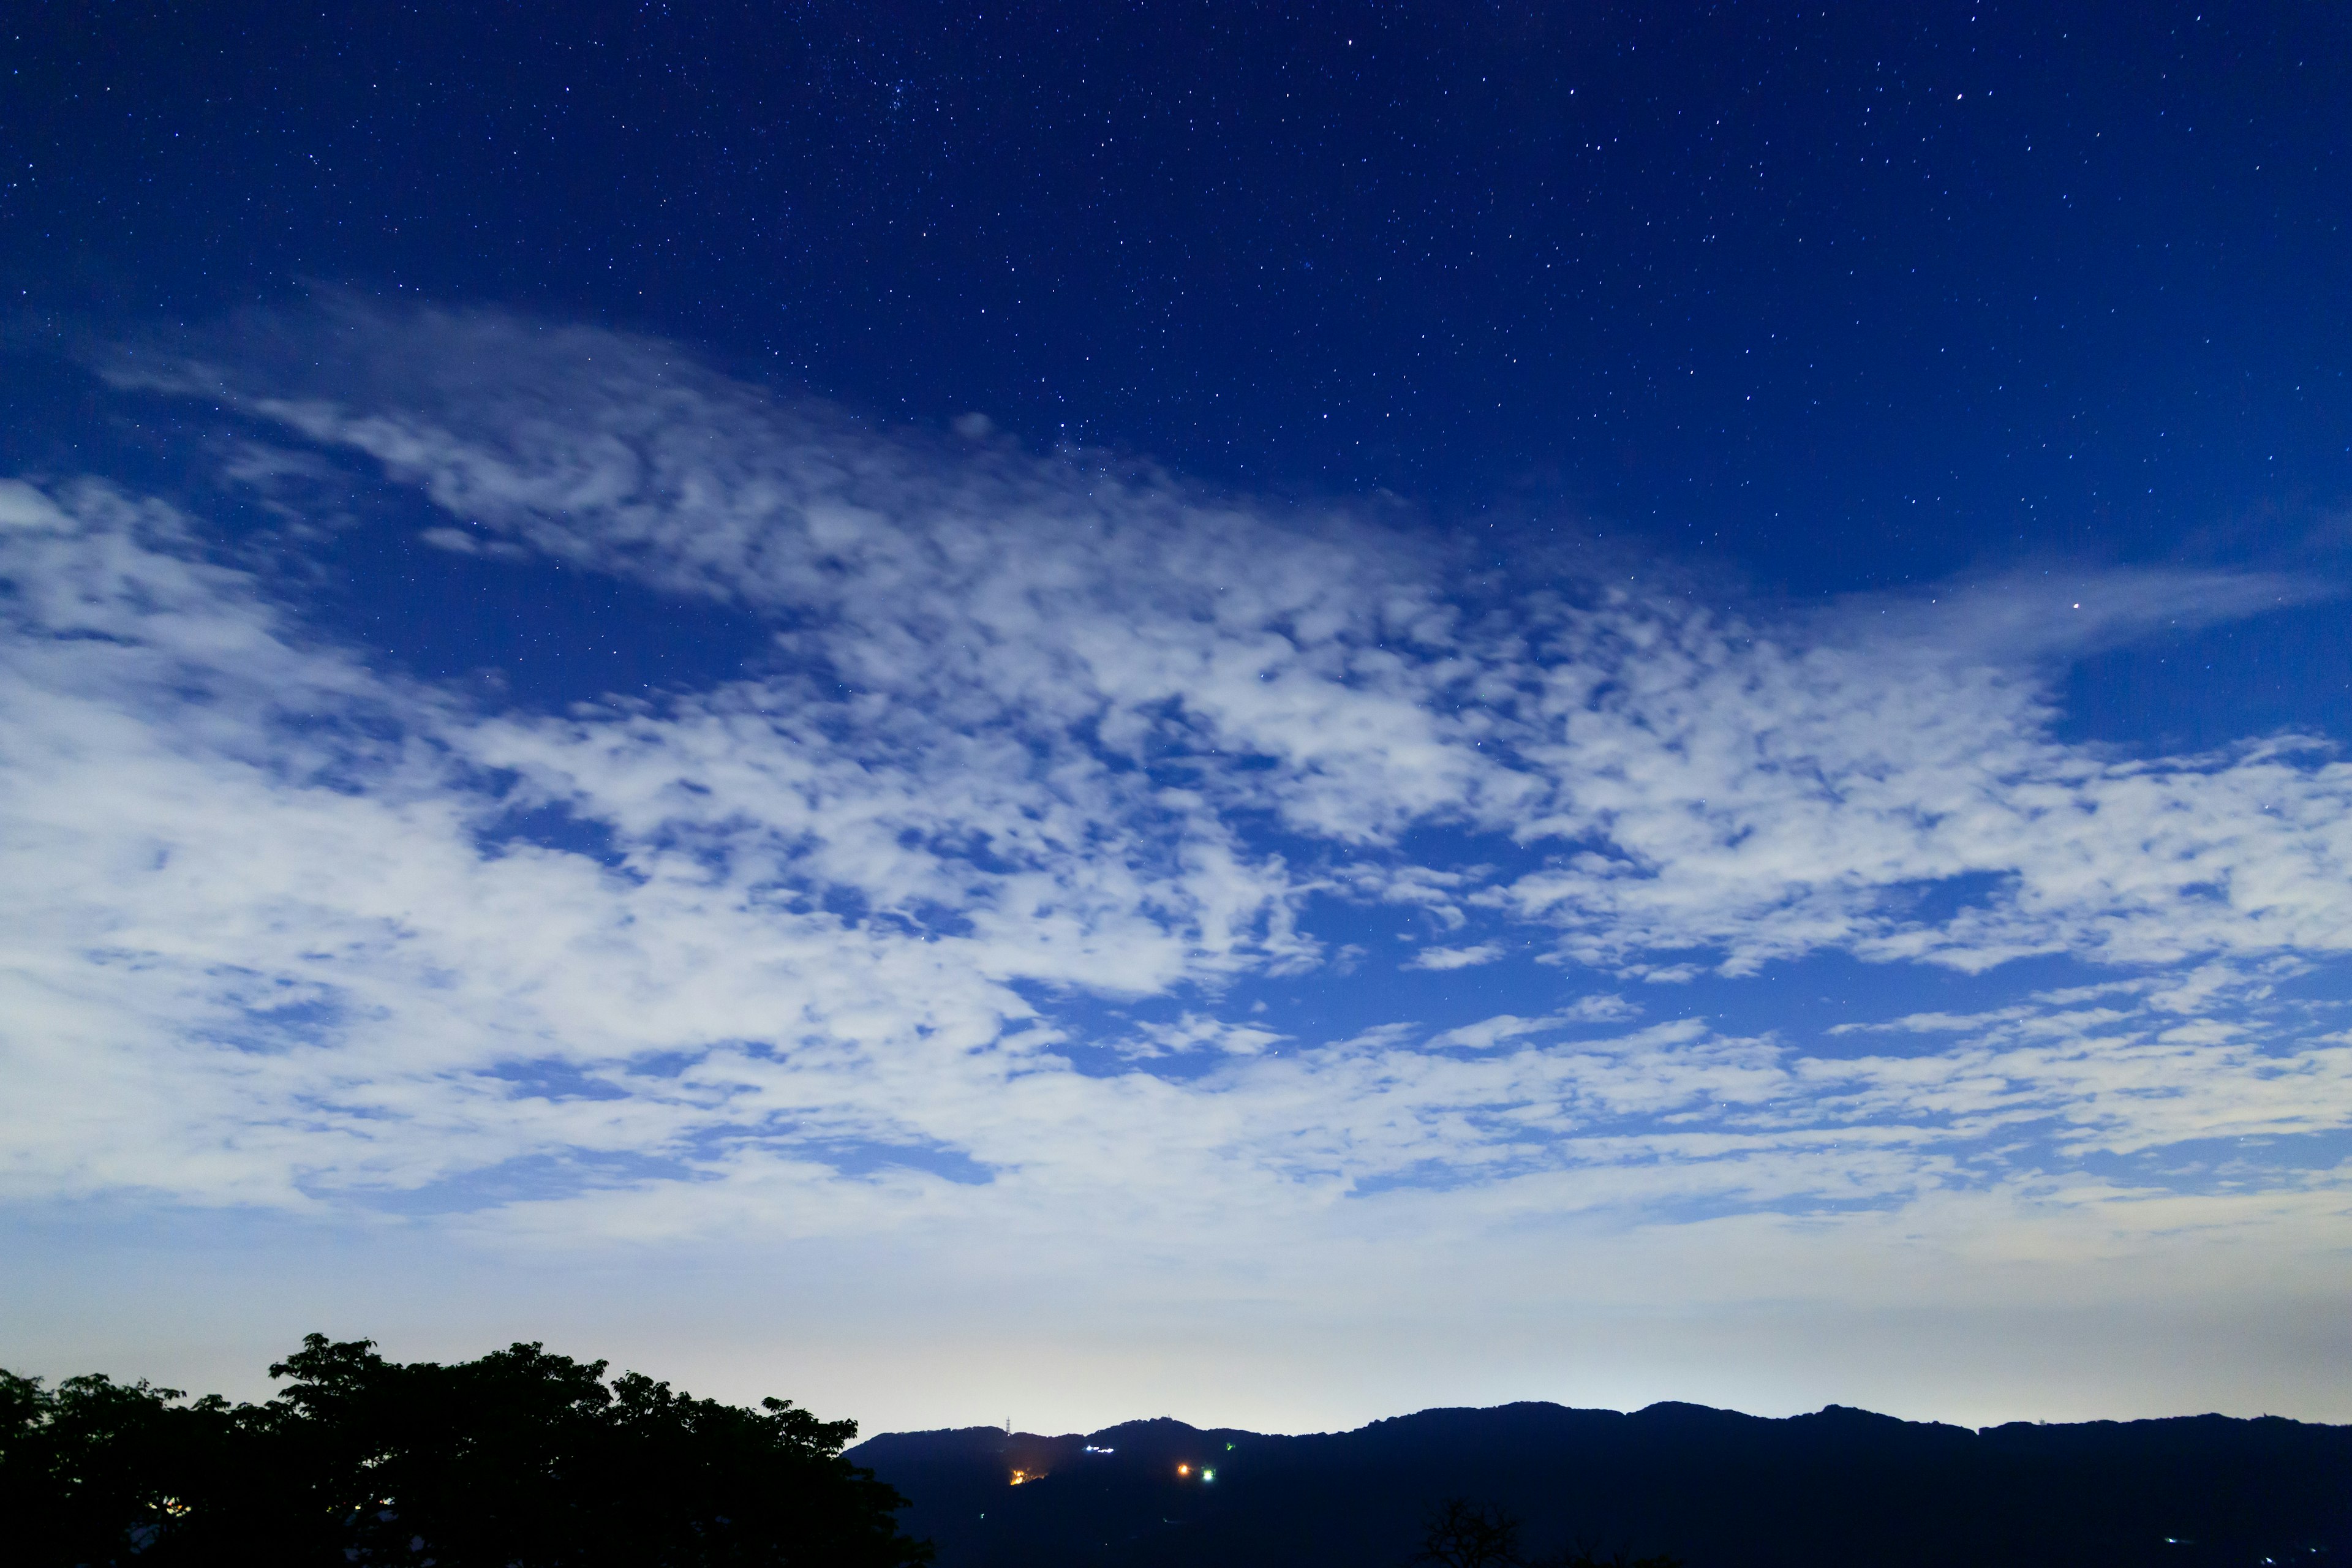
x=1271, y=714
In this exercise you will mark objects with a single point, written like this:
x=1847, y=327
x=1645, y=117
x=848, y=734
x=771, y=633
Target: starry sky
x=1269, y=714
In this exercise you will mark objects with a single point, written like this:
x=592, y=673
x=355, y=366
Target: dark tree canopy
x=1460, y=1533
x=522, y=1459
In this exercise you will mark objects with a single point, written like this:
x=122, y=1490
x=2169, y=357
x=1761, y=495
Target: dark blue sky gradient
x=1846, y=297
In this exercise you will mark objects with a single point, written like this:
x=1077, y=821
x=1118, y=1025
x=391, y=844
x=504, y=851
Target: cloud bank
x=948, y=920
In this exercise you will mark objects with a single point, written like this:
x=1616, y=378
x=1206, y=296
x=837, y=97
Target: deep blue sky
x=1104, y=708
x=1853, y=294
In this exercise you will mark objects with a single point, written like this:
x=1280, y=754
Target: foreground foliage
x=1462, y=1534
x=520, y=1458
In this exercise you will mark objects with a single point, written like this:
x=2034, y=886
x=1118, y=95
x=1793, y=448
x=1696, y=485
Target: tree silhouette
x=1582, y=1557
x=520, y=1459
x=1462, y=1535
x=1459, y=1533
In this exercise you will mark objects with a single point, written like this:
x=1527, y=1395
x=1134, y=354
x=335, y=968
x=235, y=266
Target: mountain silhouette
x=1838, y=1488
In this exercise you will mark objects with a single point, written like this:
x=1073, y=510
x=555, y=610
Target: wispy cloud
x=1037, y=737
x=1444, y=958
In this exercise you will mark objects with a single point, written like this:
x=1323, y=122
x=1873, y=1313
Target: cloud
x=457, y=541
x=1035, y=738
x=1696, y=779
x=1442, y=958
x=1192, y=1032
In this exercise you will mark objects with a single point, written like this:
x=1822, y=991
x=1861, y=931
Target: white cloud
x=1442, y=958
x=1194, y=1032
x=1037, y=739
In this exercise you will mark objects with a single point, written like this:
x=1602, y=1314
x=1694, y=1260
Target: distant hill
x=1841, y=1488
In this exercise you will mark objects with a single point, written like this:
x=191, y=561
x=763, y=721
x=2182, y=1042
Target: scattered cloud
x=1442, y=958
x=1036, y=737
x=1193, y=1032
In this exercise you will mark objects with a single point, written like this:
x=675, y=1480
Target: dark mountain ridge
x=1718, y=1489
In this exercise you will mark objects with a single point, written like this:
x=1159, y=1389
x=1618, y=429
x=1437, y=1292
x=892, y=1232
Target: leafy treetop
x=521, y=1459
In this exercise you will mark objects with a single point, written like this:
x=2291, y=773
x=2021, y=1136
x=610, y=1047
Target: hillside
x=1838, y=1488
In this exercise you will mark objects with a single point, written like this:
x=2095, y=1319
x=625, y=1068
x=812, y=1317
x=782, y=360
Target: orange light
x=1183, y=1469
x=1020, y=1476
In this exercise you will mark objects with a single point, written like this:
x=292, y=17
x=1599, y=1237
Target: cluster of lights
x=1184, y=1472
